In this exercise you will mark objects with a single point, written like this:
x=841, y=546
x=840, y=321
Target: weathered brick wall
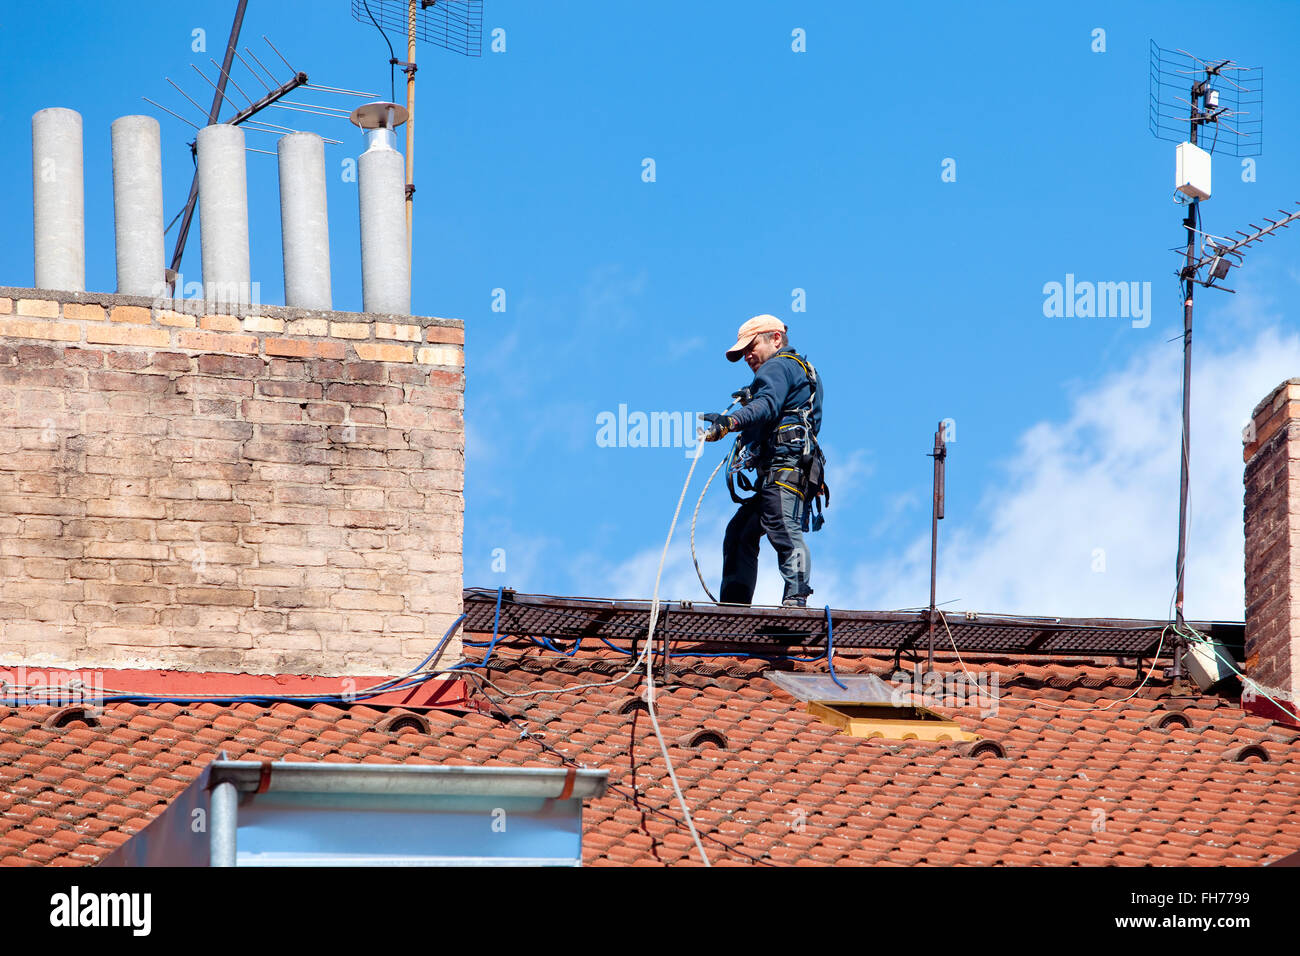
x=268, y=491
x=1272, y=515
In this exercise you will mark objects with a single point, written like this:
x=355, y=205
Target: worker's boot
x=795, y=602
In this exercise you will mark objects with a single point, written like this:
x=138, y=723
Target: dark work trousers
x=777, y=511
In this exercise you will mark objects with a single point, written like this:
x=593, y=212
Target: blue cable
x=830, y=649
x=432, y=654
x=742, y=655
x=383, y=687
x=496, y=623
x=577, y=645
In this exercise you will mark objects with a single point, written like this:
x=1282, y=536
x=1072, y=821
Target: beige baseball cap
x=751, y=330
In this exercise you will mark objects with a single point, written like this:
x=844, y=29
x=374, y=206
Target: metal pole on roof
x=410, y=132
x=223, y=809
x=1190, y=224
x=939, y=455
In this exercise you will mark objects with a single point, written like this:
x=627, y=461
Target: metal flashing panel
x=171, y=838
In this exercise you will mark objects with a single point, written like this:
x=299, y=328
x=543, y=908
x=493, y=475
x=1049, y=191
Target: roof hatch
x=866, y=706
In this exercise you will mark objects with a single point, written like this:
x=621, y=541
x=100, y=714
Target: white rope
x=649, y=662
x=698, y=573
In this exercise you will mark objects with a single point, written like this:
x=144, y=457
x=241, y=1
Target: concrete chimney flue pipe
x=58, y=200
x=223, y=215
x=138, y=205
x=304, y=221
x=385, y=269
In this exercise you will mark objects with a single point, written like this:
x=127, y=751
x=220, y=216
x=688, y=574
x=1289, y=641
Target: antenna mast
x=409, y=68
x=455, y=25
x=1232, y=105
x=940, y=456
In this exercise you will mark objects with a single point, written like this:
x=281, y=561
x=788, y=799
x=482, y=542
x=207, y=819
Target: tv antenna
x=274, y=97
x=1186, y=93
x=455, y=25
x=1229, y=100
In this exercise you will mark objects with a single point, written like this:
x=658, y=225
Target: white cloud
x=1102, y=486
x=844, y=474
x=895, y=508
x=680, y=348
x=610, y=297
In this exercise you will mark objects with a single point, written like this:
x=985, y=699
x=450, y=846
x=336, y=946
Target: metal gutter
x=547, y=783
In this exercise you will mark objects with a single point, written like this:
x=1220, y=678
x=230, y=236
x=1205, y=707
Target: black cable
x=392, y=57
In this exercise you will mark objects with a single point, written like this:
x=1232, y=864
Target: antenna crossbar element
x=299, y=79
x=173, y=112
x=274, y=97
x=1212, y=259
x=261, y=64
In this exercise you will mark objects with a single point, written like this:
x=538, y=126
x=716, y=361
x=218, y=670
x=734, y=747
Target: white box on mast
x=1192, y=176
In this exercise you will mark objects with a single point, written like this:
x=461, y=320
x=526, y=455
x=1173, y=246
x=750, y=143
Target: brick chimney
x=1272, y=516
x=266, y=490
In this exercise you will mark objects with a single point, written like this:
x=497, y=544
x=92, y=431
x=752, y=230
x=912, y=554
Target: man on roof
x=777, y=424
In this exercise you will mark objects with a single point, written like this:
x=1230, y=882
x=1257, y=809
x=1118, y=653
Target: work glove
x=719, y=425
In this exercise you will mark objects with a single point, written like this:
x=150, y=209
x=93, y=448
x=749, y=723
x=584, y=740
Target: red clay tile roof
x=1078, y=785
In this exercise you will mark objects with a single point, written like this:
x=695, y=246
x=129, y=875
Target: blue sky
x=776, y=170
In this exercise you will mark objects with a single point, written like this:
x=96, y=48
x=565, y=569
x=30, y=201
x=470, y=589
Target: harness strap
x=799, y=476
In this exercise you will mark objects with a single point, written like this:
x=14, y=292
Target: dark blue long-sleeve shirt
x=780, y=386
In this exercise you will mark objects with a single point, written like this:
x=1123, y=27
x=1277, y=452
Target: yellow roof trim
x=930, y=727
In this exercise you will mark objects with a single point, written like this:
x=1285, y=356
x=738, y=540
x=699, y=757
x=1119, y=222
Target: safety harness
x=808, y=480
